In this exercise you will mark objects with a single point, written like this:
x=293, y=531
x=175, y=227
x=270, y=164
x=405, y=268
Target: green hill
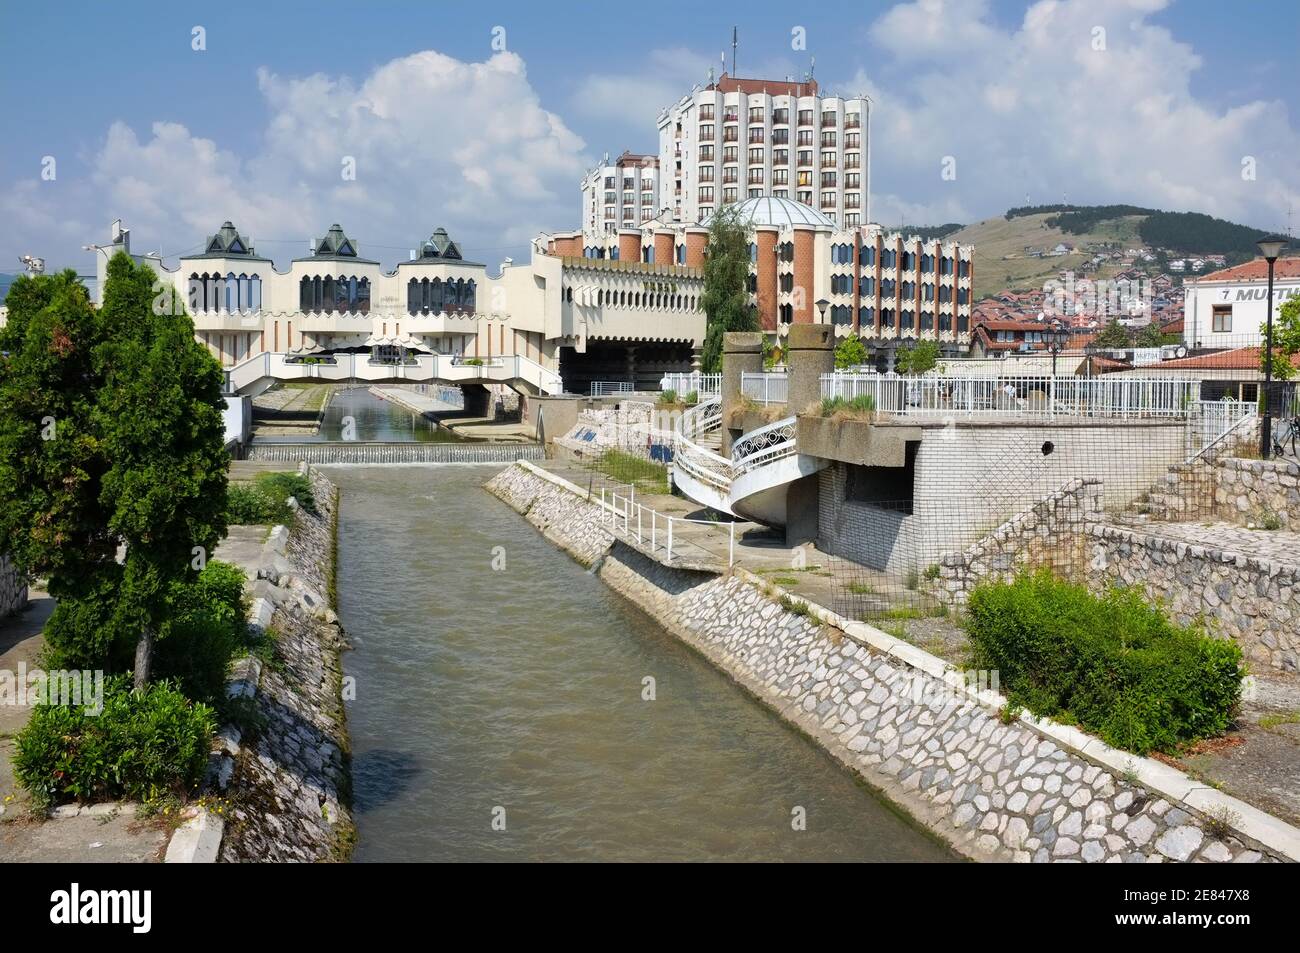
x=1005, y=246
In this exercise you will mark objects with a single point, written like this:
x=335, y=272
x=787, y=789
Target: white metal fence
x=766, y=388
x=601, y=388
x=1039, y=396
x=704, y=385
x=623, y=515
x=1212, y=420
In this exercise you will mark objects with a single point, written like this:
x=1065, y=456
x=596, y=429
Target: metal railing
x=601, y=388
x=634, y=521
x=765, y=388
x=1123, y=397
x=1213, y=422
x=705, y=385
x=762, y=446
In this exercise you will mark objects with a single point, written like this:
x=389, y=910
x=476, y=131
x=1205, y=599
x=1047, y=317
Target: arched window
x=471, y=295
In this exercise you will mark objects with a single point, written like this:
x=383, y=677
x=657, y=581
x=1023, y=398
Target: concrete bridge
x=255, y=374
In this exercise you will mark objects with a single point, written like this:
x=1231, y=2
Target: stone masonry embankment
x=290, y=788
x=13, y=588
x=908, y=724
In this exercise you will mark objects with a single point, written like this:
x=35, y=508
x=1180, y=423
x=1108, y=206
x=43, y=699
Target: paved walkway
x=1275, y=546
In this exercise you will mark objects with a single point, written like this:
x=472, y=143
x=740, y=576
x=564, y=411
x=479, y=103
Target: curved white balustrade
x=511, y=369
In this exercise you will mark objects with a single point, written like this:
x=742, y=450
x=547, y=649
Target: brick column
x=765, y=241
x=742, y=352
x=810, y=353
x=697, y=239
x=629, y=244
x=665, y=239
x=804, y=311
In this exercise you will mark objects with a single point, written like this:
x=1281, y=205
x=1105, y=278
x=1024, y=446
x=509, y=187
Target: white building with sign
x=1227, y=308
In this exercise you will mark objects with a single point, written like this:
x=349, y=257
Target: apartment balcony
x=828, y=122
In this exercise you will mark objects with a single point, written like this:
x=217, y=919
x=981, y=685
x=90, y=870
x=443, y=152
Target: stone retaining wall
x=13, y=588
x=1232, y=489
x=995, y=791
x=1050, y=532
x=1253, y=601
x=290, y=781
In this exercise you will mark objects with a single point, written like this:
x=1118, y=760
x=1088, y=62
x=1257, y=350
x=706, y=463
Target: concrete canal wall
x=285, y=778
x=13, y=588
x=908, y=723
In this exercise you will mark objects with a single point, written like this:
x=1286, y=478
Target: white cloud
x=436, y=141
x=1036, y=110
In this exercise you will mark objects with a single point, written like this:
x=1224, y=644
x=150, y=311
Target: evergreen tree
x=1113, y=334
x=726, y=280
x=111, y=437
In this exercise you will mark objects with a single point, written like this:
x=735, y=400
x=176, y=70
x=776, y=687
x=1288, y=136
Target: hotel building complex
x=624, y=194
x=735, y=139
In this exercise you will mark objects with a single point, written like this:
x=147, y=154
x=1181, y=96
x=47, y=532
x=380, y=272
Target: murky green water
x=518, y=694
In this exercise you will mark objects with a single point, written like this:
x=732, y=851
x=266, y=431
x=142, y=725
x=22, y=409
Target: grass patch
x=795, y=607
x=266, y=499
x=862, y=407
x=861, y=589
x=1286, y=718
x=645, y=475
x=785, y=580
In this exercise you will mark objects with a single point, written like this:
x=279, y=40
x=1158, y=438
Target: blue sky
x=174, y=140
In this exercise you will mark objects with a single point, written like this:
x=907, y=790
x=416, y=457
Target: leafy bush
x=851, y=352
x=207, y=629
x=692, y=398
x=1112, y=664
x=669, y=396
x=141, y=746
x=284, y=485
x=266, y=500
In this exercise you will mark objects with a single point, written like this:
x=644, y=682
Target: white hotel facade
x=735, y=139
x=620, y=194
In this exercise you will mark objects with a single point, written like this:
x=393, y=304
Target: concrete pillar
x=742, y=353
x=810, y=353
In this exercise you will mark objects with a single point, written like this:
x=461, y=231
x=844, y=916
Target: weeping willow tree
x=726, y=280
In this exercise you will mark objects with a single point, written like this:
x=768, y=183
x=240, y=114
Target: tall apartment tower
x=736, y=139
x=622, y=194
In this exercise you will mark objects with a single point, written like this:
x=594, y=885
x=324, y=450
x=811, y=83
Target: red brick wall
x=805, y=311
x=695, y=244
x=766, y=265
x=629, y=247
x=664, y=244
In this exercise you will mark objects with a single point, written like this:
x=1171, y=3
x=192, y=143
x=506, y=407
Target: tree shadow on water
x=380, y=777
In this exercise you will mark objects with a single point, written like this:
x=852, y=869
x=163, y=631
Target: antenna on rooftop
x=735, y=40
x=812, y=67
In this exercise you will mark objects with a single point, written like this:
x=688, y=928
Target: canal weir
x=369, y=454
x=909, y=724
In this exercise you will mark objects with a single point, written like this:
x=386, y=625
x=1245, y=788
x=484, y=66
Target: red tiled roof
x=773, y=87
x=1172, y=327
x=1241, y=358
x=1257, y=270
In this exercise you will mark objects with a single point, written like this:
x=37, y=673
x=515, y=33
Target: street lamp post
x=822, y=305
x=1270, y=248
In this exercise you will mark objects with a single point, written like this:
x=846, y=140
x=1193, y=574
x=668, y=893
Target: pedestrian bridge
x=520, y=373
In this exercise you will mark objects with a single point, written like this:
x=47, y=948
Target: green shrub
x=206, y=631
x=669, y=396
x=692, y=398
x=266, y=500
x=1112, y=664
x=143, y=745
x=80, y=634
x=281, y=486
x=246, y=505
